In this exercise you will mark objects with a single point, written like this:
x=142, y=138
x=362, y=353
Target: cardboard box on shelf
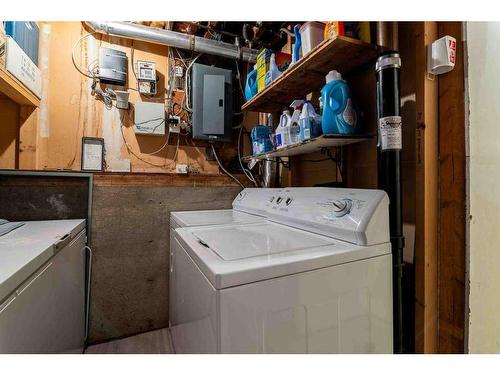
x=3, y=48
x=20, y=66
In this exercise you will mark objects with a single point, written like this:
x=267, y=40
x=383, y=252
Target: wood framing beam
x=452, y=199
x=426, y=234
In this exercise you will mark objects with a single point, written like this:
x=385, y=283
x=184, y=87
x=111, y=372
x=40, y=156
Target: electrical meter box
x=212, y=103
x=146, y=77
x=113, y=66
x=149, y=118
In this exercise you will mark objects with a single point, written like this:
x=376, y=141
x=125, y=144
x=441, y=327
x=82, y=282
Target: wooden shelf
x=16, y=91
x=342, y=53
x=312, y=145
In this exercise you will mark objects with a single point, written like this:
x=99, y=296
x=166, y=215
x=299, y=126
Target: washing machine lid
x=247, y=241
x=212, y=217
x=237, y=254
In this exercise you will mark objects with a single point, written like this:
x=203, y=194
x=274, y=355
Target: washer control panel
x=344, y=214
x=255, y=201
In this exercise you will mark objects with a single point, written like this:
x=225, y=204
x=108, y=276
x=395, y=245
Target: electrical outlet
x=174, y=124
x=181, y=168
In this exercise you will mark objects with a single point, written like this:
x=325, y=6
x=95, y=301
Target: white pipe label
x=390, y=133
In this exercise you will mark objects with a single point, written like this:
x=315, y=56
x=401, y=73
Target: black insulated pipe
x=389, y=174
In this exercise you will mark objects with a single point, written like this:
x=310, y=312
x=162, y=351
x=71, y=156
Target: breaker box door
x=213, y=104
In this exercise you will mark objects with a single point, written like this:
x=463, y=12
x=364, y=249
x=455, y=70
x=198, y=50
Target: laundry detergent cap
x=333, y=75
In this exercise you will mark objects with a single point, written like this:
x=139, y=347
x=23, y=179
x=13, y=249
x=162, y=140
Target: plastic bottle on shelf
x=283, y=130
x=310, y=122
x=273, y=71
x=251, y=84
x=297, y=45
x=261, y=142
x=295, y=121
x=339, y=115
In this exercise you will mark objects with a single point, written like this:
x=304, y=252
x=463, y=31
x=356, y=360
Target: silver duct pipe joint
x=387, y=35
x=173, y=39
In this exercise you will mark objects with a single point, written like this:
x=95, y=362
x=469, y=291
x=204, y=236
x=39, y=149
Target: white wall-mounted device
x=441, y=55
x=149, y=118
x=121, y=99
x=146, y=77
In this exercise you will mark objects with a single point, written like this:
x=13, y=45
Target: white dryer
x=251, y=210
x=316, y=277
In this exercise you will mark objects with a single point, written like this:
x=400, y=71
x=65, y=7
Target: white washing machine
x=316, y=277
x=252, y=209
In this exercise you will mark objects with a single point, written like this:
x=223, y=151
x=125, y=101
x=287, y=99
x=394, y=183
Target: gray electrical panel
x=212, y=103
x=113, y=66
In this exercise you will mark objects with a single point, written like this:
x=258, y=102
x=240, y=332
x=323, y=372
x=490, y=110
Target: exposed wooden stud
x=452, y=199
x=426, y=236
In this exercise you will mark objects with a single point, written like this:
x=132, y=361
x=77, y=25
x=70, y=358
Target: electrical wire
x=88, y=74
x=239, y=79
x=93, y=73
x=187, y=84
x=246, y=171
x=130, y=151
x=224, y=169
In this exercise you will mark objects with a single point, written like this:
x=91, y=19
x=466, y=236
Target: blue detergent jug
x=339, y=115
x=261, y=139
x=251, y=84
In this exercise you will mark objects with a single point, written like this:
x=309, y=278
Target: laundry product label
x=390, y=133
x=349, y=114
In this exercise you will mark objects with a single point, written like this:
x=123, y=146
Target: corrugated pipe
x=173, y=39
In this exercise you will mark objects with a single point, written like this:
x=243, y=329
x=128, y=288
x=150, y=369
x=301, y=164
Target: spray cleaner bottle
x=310, y=122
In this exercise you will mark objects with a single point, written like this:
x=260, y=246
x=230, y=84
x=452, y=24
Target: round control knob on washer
x=341, y=207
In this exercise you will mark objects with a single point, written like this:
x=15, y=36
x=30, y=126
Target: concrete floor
x=153, y=342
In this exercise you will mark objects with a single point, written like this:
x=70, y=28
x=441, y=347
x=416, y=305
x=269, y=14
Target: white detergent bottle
x=273, y=71
x=283, y=130
x=295, y=122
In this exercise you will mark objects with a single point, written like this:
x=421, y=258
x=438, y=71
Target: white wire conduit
x=173, y=39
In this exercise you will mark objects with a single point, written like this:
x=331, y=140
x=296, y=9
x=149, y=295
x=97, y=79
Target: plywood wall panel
x=427, y=209
x=9, y=117
x=28, y=137
x=70, y=112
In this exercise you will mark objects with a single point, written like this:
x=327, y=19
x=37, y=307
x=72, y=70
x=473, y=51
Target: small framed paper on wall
x=92, y=154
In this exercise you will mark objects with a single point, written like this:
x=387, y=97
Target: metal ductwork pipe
x=174, y=39
x=387, y=35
